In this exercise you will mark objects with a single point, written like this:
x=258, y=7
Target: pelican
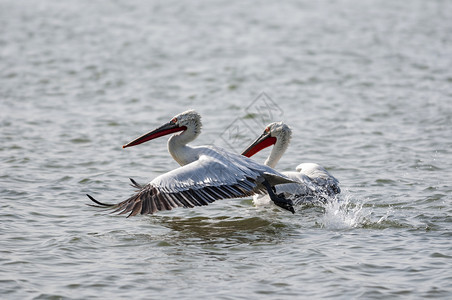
x=206, y=174
x=313, y=181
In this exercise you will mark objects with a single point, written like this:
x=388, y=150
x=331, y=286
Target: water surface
x=366, y=88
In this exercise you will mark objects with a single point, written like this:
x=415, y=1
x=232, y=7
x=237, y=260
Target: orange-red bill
x=165, y=129
x=262, y=142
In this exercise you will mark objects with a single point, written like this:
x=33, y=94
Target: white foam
x=342, y=213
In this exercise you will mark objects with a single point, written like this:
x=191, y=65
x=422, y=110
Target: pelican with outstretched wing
x=207, y=173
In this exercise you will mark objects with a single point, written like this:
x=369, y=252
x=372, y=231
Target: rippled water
x=366, y=87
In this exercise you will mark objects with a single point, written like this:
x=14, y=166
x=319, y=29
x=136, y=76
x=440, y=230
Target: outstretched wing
x=199, y=183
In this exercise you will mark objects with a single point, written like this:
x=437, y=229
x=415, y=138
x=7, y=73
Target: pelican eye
x=174, y=120
x=267, y=130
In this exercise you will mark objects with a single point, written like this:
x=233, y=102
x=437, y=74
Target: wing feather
x=137, y=208
x=214, y=176
x=146, y=205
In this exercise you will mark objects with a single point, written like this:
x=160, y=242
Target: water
x=366, y=87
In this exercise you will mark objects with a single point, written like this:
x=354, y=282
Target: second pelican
x=313, y=181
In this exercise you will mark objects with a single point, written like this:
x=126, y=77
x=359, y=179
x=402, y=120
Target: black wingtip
x=99, y=203
x=135, y=184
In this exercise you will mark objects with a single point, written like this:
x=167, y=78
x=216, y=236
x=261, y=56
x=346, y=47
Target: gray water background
x=365, y=85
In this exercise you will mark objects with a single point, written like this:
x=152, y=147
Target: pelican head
x=188, y=121
x=277, y=133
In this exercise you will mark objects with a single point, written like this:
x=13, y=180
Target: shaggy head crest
x=187, y=117
x=279, y=130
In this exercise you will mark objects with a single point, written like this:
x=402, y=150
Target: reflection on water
x=225, y=230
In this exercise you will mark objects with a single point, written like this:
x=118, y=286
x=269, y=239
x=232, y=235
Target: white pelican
x=313, y=180
x=206, y=174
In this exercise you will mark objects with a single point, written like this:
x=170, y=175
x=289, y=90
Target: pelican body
x=313, y=180
x=206, y=174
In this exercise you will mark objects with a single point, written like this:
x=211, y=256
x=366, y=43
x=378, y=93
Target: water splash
x=383, y=219
x=343, y=213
